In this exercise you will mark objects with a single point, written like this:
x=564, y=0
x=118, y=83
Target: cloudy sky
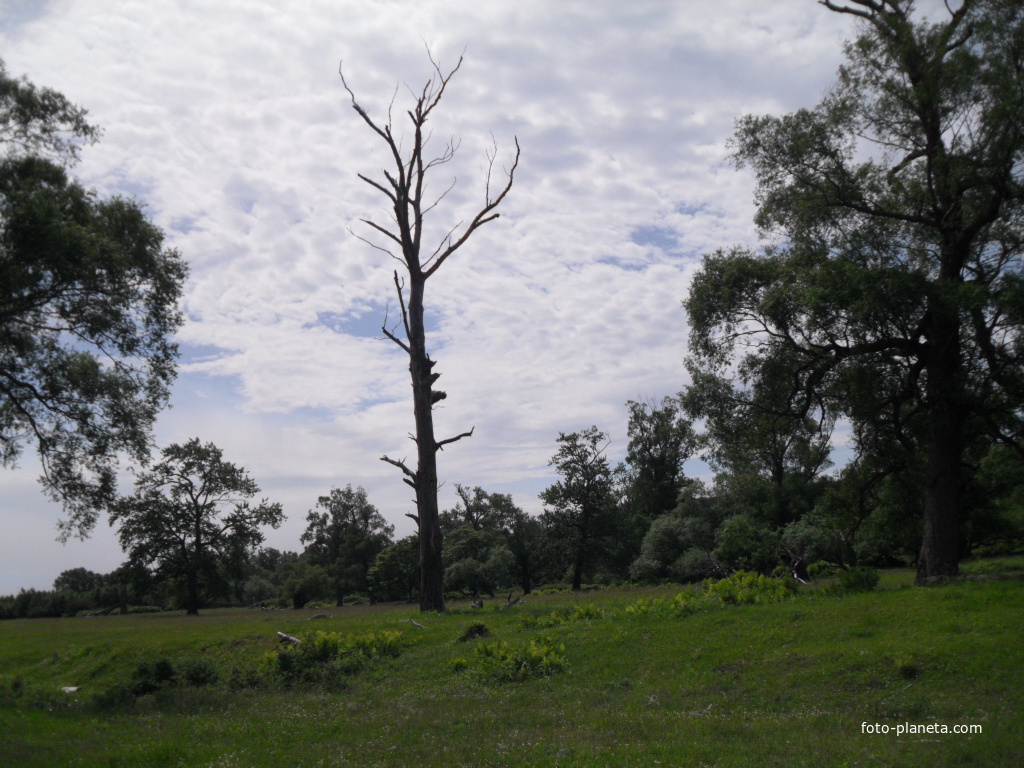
x=228, y=119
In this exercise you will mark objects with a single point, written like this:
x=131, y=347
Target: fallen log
x=288, y=638
x=510, y=602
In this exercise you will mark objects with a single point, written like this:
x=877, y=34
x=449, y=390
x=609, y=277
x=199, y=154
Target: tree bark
x=940, y=547
x=581, y=553
x=420, y=365
x=192, y=594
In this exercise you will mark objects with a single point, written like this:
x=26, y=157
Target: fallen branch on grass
x=510, y=602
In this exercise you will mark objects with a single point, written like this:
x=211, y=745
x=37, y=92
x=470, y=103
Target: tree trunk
x=525, y=575
x=420, y=365
x=192, y=594
x=191, y=577
x=405, y=188
x=944, y=485
x=577, y=568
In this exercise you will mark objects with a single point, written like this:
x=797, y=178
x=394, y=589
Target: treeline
x=774, y=506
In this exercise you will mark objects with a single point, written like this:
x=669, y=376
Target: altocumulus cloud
x=228, y=119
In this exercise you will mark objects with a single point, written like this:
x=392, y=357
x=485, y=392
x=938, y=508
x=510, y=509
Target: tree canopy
x=580, y=506
x=189, y=511
x=891, y=290
x=88, y=309
x=344, y=535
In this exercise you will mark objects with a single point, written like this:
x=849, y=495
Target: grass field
x=628, y=681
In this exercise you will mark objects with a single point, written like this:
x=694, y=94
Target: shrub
x=324, y=656
x=152, y=675
x=686, y=604
x=665, y=542
x=644, y=606
x=579, y=612
x=198, y=673
x=586, y=612
x=240, y=678
x=502, y=662
x=116, y=697
x=553, y=590
x=744, y=588
x=859, y=579
x=478, y=629
x=553, y=619
x=741, y=543
x=694, y=564
x=144, y=609
x=822, y=569
x=376, y=645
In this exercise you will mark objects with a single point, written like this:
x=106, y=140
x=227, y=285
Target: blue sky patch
x=665, y=238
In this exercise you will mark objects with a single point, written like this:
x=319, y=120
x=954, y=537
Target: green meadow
x=658, y=676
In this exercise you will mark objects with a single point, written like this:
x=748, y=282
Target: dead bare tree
x=404, y=186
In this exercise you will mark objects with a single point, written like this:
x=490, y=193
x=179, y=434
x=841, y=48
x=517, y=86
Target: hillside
x=624, y=677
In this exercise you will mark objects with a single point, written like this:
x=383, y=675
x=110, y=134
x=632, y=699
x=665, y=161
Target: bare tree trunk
x=420, y=365
x=404, y=185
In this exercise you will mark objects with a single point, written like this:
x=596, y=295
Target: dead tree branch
x=404, y=186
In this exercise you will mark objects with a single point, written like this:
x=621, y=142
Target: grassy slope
x=777, y=685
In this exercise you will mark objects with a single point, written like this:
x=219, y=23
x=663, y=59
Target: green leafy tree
x=188, y=511
x=477, y=553
x=675, y=547
x=897, y=208
x=751, y=429
x=581, y=504
x=88, y=309
x=395, y=574
x=77, y=580
x=477, y=560
x=661, y=439
x=305, y=582
x=1000, y=494
x=744, y=544
x=345, y=535
x=523, y=536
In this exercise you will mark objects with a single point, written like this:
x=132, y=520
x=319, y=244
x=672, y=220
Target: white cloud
x=229, y=120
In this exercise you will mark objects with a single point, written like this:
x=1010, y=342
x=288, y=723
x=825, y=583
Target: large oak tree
x=190, y=511
x=893, y=288
x=88, y=309
x=344, y=534
x=580, y=508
